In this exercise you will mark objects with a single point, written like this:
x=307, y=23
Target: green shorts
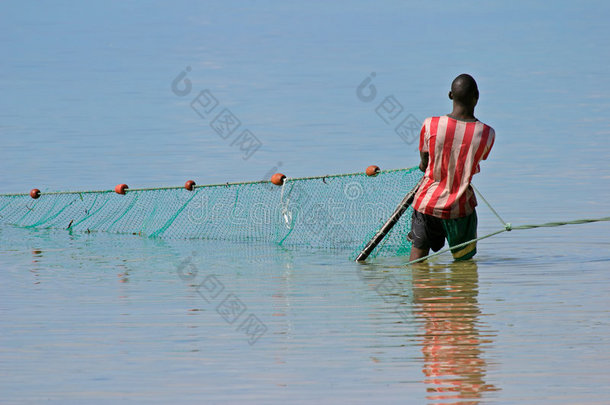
x=428, y=232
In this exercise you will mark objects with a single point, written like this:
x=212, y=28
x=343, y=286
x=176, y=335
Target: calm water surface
x=87, y=103
x=107, y=317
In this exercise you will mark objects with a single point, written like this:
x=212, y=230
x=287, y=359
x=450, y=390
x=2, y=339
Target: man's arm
x=424, y=161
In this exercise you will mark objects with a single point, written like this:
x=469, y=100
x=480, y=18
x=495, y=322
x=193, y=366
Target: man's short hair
x=464, y=89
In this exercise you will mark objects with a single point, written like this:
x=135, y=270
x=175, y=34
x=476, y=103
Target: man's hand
x=424, y=161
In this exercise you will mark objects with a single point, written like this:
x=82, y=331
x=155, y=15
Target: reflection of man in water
x=445, y=300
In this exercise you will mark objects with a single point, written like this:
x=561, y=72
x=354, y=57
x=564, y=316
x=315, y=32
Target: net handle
x=389, y=224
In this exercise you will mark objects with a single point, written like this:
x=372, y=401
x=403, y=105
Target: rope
x=131, y=190
x=489, y=205
x=507, y=228
x=461, y=245
x=286, y=215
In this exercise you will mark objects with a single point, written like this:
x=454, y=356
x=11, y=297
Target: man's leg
x=462, y=230
x=417, y=253
x=426, y=232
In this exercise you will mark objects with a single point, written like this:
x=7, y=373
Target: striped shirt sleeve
x=424, y=137
x=490, y=143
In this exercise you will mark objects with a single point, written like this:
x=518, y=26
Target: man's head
x=464, y=90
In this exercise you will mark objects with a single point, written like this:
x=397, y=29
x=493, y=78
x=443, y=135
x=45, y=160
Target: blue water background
x=87, y=103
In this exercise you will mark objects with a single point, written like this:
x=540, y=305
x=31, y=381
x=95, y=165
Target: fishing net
x=336, y=211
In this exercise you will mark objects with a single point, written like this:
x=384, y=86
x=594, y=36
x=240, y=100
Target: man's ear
x=450, y=96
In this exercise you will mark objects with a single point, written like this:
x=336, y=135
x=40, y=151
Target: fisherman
x=451, y=148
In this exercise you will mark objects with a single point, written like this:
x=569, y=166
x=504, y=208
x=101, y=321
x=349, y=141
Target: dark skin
x=465, y=96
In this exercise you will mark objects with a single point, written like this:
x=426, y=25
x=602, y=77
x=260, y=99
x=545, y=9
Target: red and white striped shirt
x=456, y=148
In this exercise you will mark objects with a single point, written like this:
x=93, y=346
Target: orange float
x=372, y=170
x=189, y=185
x=278, y=179
x=120, y=188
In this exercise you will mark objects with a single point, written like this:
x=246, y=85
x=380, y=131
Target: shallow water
x=108, y=317
x=88, y=103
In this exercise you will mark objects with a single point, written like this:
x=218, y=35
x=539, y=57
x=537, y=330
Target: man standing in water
x=451, y=148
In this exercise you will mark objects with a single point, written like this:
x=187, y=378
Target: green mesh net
x=336, y=211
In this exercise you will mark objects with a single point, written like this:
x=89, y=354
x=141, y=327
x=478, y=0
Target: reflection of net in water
x=335, y=211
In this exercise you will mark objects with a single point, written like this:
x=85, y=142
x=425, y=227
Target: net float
x=120, y=188
x=372, y=170
x=278, y=179
x=189, y=185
